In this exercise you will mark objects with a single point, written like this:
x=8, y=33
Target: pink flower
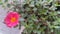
x=11, y=19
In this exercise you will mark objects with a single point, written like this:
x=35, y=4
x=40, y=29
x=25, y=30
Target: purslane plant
x=37, y=16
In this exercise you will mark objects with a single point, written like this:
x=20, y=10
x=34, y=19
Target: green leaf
x=1, y=3
x=48, y=0
x=38, y=32
x=58, y=20
x=8, y=5
x=6, y=1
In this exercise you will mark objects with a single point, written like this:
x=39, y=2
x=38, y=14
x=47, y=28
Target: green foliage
x=37, y=14
x=6, y=1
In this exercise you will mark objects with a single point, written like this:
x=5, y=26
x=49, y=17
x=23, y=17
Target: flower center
x=12, y=19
